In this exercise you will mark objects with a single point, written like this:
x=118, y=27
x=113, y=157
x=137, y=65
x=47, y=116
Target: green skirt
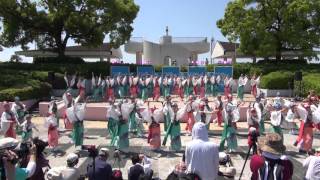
x=228, y=134
x=122, y=140
x=113, y=130
x=77, y=133
x=144, y=94
x=26, y=135
x=132, y=122
x=167, y=121
x=261, y=125
x=240, y=92
x=214, y=89
x=121, y=92
x=166, y=91
x=175, y=137
x=187, y=91
x=96, y=94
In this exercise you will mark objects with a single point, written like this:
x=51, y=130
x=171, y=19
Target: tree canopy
x=51, y=23
x=267, y=28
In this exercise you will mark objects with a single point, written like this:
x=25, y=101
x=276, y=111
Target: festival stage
x=98, y=110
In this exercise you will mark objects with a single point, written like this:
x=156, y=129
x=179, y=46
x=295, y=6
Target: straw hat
x=272, y=143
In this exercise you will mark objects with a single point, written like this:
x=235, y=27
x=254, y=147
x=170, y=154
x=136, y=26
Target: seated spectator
x=270, y=163
x=312, y=164
x=141, y=168
x=10, y=158
x=103, y=170
x=202, y=156
x=179, y=170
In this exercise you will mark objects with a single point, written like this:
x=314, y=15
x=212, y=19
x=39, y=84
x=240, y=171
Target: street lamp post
x=211, y=49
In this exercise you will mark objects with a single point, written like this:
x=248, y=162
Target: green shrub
x=37, y=91
x=210, y=67
x=311, y=81
x=277, y=80
x=58, y=60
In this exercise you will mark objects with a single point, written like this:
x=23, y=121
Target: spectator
x=71, y=172
x=202, y=156
x=312, y=163
x=141, y=168
x=103, y=170
x=10, y=171
x=270, y=163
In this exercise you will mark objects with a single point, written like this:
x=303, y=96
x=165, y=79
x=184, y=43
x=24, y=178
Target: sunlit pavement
x=164, y=161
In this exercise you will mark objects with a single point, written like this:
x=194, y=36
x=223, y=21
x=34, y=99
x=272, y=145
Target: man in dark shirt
x=103, y=170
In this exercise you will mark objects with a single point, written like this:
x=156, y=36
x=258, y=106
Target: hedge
x=38, y=90
x=58, y=60
x=277, y=80
x=311, y=81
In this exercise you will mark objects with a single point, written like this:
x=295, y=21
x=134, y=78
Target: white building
x=169, y=51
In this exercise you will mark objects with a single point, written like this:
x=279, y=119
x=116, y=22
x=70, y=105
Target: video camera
x=92, y=150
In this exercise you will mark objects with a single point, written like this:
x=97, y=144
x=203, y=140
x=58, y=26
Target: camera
x=92, y=150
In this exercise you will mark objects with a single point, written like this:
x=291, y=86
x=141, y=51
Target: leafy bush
x=277, y=80
x=38, y=90
x=58, y=60
x=311, y=81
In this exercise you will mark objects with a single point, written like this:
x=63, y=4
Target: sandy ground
x=164, y=161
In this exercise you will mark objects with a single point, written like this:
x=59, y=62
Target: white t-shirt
x=313, y=165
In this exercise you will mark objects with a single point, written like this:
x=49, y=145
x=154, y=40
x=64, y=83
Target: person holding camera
x=312, y=165
x=9, y=159
x=141, y=168
x=100, y=170
x=270, y=163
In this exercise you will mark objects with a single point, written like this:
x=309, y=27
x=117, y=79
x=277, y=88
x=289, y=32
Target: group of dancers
x=150, y=86
x=126, y=116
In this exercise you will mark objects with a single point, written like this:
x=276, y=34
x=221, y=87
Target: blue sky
x=185, y=18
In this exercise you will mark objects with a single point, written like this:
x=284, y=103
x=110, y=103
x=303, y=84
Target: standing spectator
x=270, y=163
x=202, y=156
x=312, y=163
x=102, y=170
x=141, y=168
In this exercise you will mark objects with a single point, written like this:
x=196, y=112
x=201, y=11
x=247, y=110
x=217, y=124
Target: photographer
x=312, y=165
x=9, y=158
x=101, y=170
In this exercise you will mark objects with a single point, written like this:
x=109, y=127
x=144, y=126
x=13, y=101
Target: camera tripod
x=254, y=148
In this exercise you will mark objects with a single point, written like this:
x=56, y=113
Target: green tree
x=51, y=23
x=267, y=28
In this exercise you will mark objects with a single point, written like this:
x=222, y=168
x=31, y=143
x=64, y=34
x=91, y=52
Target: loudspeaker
x=298, y=76
x=51, y=76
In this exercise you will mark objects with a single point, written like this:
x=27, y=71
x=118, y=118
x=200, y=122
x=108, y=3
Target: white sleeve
x=146, y=164
x=31, y=168
x=306, y=162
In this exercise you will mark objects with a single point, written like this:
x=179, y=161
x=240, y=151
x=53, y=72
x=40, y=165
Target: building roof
x=105, y=50
x=229, y=46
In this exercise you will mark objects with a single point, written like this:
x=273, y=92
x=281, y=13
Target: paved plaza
x=164, y=161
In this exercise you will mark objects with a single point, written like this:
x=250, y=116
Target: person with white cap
x=202, y=156
x=71, y=172
x=101, y=169
x=10, y=158
x=8, y=121
x=312, y=164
